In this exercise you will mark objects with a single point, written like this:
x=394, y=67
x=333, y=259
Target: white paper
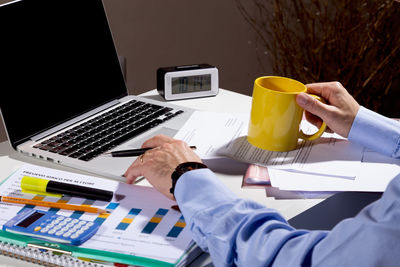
x=224, y=134
x=212, y=132
x=375, y=174
x=156, y=244
x=288, y=194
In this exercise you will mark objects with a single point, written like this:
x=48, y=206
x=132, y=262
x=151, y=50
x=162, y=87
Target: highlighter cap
x=32, y=185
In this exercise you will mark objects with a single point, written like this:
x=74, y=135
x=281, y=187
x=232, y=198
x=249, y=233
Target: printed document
x=224, y=135
x=141, y=221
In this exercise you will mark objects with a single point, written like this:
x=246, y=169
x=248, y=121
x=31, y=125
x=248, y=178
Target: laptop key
x=76, y=155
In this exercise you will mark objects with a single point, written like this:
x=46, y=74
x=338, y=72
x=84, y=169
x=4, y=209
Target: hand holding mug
x=339, y=111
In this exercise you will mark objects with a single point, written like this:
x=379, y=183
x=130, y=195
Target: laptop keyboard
x=107, y=131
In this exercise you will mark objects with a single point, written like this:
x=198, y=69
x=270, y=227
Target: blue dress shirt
x=242, y=232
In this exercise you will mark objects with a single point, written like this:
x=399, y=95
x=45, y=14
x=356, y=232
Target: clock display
x=190, y=84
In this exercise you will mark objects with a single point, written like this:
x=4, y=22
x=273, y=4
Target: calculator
x=51, y=227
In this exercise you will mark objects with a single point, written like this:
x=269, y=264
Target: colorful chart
x=178, y=227
x=152, y=224
x=137, y=225
x=37, y=197
x=78, y=214
x=63, y=200
x=128, y=219
x=102, y=217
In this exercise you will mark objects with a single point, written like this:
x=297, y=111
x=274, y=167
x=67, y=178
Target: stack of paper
x=330, y=163
x=141, y=225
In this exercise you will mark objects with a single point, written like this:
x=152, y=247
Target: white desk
x=225, y=101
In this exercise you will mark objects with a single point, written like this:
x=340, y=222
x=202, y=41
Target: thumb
x=311, y=104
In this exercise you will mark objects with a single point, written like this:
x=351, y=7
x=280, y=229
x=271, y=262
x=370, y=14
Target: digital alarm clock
x=189, y=81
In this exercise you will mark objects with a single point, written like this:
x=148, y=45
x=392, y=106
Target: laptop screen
x=57, y=61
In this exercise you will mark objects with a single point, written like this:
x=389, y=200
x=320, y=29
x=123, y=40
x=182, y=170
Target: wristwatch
x=181, y=169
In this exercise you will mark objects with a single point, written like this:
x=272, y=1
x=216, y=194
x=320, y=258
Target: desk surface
x=225, y=101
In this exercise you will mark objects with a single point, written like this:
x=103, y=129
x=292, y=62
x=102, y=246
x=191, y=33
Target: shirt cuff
x=376, y=132
x=199, y=189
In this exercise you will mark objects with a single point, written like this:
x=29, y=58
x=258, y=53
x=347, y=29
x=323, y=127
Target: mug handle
x=311, y=137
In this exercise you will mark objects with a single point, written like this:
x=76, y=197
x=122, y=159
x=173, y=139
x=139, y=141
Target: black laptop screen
x=57, y=61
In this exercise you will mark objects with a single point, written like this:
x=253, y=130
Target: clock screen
x=190, y=84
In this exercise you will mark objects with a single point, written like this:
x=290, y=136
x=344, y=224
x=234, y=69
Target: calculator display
x=31, y=219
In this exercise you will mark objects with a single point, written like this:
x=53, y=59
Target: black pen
x=132, y=152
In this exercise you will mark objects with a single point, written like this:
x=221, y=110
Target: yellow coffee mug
x=275, y=116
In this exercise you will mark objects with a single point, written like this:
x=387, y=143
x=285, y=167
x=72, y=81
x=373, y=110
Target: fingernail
x=302, y=99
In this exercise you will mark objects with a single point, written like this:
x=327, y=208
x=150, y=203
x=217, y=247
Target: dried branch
x=352, y=41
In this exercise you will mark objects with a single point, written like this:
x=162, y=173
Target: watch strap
x=181, y=169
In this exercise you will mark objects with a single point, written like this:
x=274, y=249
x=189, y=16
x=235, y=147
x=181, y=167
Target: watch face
x=190, y=84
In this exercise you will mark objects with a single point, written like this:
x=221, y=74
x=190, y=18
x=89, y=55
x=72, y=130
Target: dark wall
x=153, y=33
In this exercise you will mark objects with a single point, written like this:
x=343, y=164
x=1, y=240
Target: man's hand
x=157, y=164
x=339, y=111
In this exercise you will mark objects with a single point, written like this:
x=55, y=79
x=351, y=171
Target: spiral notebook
x=10, y=248
x=24, y=248
x=141, y=228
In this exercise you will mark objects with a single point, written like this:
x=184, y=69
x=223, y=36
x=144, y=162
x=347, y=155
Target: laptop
x=63, y=96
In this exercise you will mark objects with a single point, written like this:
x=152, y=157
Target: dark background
x=152, y=34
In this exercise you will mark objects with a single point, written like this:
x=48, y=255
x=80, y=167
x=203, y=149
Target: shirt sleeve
x=242, y=232
x=376, y=132
x=237, y=231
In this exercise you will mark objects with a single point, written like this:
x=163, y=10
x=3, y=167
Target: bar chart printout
x=37, y=197
x=152, y=224
x=78, y=214
x=128, y=219
x=102, y=217
x=146, y=229
x=177, y=228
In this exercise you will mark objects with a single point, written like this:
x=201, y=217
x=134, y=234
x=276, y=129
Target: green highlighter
x=40, y=186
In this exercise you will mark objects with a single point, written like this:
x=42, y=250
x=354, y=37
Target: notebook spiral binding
x=44, y=258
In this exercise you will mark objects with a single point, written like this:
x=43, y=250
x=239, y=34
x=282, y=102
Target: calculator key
x=62, y=223
x=57, y=227
x=68, y=219
x=44, y=230
x=60, y=218
x=37, y=228
x=67, y=234
x=85, y=227
x=70, y=224
x=52, y=231
x=80, y=232
x=90, y=224
x=75, y=221
x=59, y=233
x=82, y=223
x=74, y=236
